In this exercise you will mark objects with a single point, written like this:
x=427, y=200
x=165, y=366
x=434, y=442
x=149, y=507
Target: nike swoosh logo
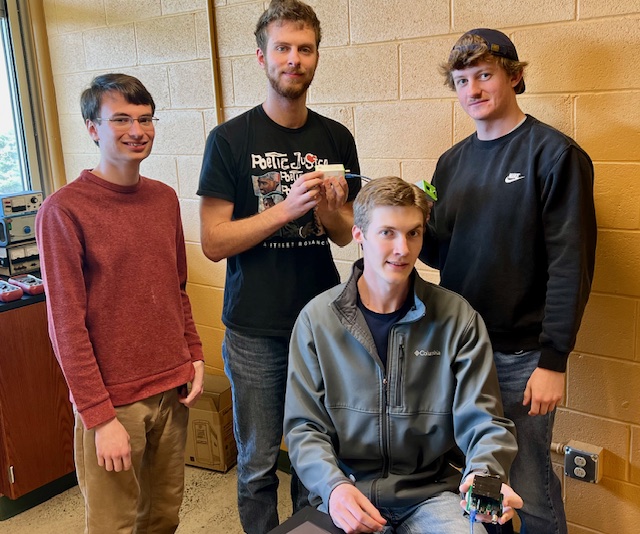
x=513, y=177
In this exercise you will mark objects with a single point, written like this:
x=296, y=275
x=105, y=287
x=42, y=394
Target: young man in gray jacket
x=387, y=375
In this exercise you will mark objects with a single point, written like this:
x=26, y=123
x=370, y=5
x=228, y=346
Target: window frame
x=26, y=94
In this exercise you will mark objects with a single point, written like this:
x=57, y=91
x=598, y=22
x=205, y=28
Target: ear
x=515, y=79
x=93, y=130
x=260, y=56
x=358, y=234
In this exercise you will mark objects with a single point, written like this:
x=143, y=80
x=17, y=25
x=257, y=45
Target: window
x=21, y=164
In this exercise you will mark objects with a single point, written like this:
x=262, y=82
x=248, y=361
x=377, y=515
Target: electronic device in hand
x=331, y=170
x=30, y=284
x=484, y=496
x=9, y=292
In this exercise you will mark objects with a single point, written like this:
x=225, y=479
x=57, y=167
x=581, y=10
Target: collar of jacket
x=345, y=305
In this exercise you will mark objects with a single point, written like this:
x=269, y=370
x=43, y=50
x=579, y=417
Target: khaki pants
x=147, y=498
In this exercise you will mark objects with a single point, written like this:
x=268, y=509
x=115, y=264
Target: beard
x=290, y=92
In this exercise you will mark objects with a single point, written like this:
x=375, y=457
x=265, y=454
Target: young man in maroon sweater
x=114, y=264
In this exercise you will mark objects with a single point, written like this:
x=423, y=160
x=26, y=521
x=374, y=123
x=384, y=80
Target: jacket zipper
x=385, y=441
x=386, y=447
x=400, y=372
x=385, y=430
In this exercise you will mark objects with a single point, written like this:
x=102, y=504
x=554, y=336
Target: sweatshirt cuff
x=98, y=414
x=196, y=352
x=553, y=360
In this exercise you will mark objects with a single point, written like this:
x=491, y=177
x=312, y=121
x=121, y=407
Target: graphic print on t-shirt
x=273, y=186
x=268, y=189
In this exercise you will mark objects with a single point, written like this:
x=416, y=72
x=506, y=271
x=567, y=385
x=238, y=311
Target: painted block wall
x=378, y=75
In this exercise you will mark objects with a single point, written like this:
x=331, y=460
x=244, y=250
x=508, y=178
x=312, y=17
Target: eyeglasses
x=124, y=122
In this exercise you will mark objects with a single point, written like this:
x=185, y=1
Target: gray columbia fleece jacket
x=392, y=431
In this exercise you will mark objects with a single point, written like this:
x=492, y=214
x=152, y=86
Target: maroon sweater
x=114, y=265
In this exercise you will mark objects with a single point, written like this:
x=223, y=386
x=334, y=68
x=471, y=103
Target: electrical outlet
x=583, y=461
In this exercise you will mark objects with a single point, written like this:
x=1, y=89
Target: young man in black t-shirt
x=267, y=211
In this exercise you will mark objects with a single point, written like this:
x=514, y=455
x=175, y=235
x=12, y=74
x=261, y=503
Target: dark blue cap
x=499, y=45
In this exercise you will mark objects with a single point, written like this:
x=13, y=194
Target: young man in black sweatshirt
x=514, y=232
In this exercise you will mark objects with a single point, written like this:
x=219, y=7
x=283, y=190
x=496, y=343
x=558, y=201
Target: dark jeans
x=257, y=369
x=531, y=474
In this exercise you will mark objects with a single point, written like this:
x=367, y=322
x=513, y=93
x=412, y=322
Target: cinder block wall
x=377, y=75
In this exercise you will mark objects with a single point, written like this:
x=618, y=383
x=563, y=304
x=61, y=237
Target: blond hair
x=388, y=191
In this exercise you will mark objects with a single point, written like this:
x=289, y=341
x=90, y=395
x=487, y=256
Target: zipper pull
x=385, y=391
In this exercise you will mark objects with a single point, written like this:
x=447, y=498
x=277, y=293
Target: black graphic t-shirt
x=252, y=162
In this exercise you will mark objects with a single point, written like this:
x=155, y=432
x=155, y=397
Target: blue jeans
x=441, y=514
x=531, y=475
x=257, y=369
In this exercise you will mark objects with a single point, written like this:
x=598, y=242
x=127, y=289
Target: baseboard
x=11, y=507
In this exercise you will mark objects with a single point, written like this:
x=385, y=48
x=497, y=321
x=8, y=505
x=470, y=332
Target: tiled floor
x=209, y=507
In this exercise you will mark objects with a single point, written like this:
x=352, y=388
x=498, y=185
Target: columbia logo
x=426, y=353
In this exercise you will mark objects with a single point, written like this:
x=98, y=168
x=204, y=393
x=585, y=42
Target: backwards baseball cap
x=498, y=44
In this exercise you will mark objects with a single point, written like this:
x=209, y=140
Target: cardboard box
x=210, y=441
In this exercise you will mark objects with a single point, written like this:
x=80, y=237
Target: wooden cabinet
x=36, y=419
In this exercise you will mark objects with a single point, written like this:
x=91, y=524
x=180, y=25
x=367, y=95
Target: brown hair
x=286, y=10
x=129, y=87
x=470, y=50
